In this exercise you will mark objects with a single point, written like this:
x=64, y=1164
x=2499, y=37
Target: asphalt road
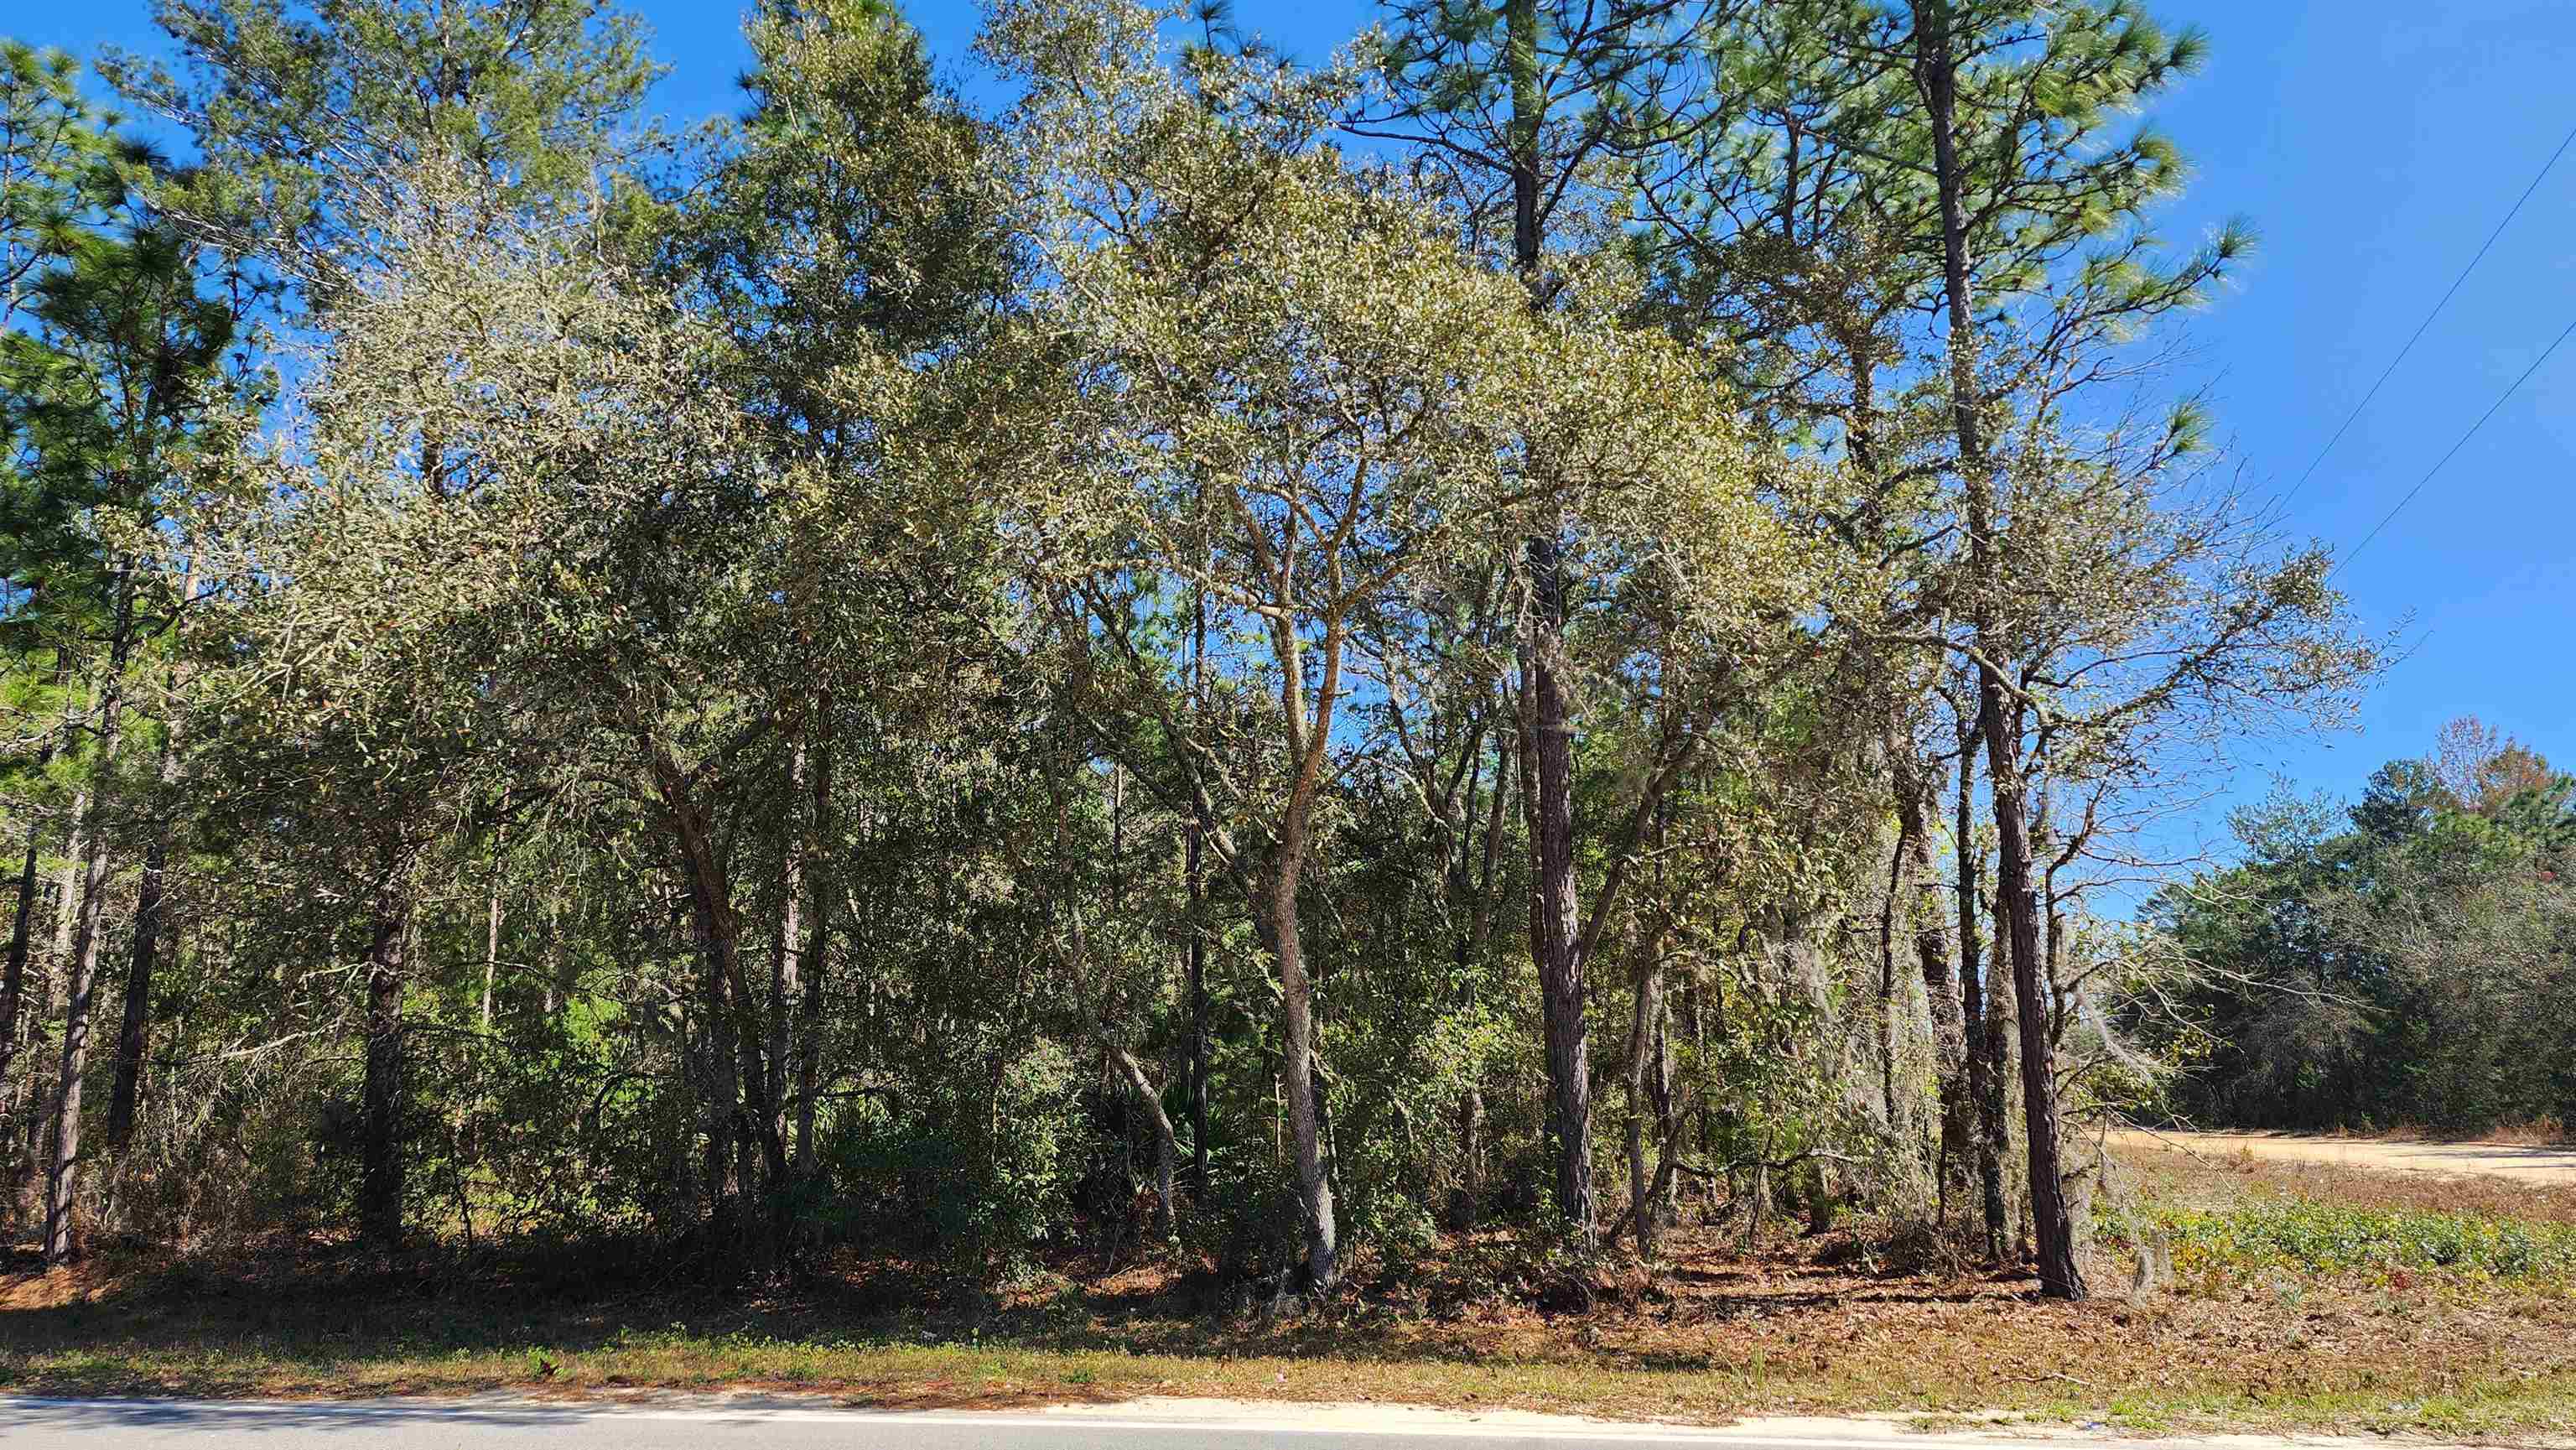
x=489, y=1425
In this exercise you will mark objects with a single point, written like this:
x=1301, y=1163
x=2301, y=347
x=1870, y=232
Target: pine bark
x=1556, y=945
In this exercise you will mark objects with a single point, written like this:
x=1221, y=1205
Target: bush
x=978, y=1184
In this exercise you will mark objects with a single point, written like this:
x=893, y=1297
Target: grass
x=2289, y=1312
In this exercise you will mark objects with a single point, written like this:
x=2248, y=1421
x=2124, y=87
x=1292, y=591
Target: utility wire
x=2570, y=331
x=2355, y=415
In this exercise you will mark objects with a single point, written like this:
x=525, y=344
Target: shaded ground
x=2541, y=1164
x=1843, y=1323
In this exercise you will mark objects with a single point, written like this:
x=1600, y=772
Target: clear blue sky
x=2373, y=143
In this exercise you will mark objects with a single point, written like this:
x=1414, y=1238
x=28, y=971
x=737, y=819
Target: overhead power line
x=2569, y=331
x=2489, y=245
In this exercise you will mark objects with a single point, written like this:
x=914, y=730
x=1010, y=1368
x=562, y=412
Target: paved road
x=502, y=1425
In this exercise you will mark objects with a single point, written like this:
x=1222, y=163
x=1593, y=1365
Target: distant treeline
x=2407, y=960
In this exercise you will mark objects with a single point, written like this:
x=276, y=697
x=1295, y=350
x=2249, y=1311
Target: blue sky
x=2373, y=143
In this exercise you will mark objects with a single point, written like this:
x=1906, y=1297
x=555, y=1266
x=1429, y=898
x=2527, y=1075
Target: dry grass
x=1811, y=1326
x=2216, y=1178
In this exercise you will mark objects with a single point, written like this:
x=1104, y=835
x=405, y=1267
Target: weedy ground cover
x=2408, y=1307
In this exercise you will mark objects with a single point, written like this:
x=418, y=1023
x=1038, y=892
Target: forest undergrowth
x=2298, y=1297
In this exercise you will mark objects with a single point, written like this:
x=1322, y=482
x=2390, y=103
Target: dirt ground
x=2527, y=1164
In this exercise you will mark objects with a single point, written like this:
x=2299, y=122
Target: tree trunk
x=1979, y=1024
x=36, y=1122
x=785, y=994
x=134, y=1030
x=1194, y=879
x=1197, y=973
x=149, y=911
x=491, y=938
x=62, y=1179
x=1471, y=1157
x=1916, y=790
x=713, y=929
x=818, y=940
x=1648, y=1088
x=62, y=1183
x=1555, y=908
x=1166, y=1150
x=1297, y=1046
x=2060, y=1276
x=1642, y=1045
x=1936, y=74
x=13, y=985
x=381, y=1157
x=1556, y=944
x=1900, y=857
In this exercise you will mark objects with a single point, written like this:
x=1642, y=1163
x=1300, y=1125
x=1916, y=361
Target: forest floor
x=2301, y=1296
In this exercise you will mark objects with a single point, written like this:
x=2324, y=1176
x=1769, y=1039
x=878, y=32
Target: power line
x=2569, y=331
x=2391, y=370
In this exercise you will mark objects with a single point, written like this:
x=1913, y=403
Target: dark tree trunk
x=2060, y=1276
x=135, y=1028
x=1197, y=973
x=1555, y=909
x=381, y=1157
x=1936, y=74
x=1194, y=874
x=1556, y=936
x=13, y=983
x=818, y=941
x=62, y=1183
x=149, y=909
x=718, y=1065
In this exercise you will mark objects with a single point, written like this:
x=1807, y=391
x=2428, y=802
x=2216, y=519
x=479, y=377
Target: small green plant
x=2322, y=1238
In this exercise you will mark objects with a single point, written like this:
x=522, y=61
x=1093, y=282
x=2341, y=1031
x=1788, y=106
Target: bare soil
x=2527, y=1163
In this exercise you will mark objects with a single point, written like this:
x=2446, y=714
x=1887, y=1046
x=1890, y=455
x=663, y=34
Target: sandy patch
x=2503, y=1160
x=1776, y=1432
